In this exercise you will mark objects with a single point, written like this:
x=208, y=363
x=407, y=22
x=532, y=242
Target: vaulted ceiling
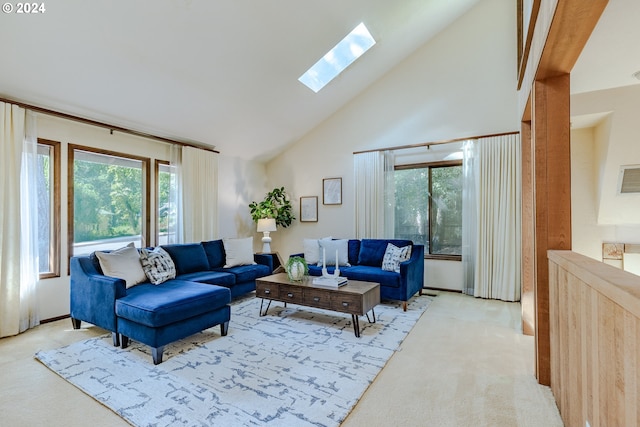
x=214, y=72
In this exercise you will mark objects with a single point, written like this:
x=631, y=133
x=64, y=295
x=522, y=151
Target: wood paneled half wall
x=594, y=312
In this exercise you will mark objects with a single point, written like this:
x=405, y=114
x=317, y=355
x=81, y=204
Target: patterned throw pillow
x=157, y=265
x=394, y=255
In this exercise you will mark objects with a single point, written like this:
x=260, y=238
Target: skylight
x=350, y=48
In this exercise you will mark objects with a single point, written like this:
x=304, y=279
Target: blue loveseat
x=196, y=299
x=365, y=263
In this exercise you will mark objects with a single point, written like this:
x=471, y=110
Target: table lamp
x=265, y=226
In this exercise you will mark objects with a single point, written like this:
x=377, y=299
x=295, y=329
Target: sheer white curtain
x=199, y=176
x=495, y=254
x=373, y=185
x=176, y=230
x=19, y=220
x=469, y=217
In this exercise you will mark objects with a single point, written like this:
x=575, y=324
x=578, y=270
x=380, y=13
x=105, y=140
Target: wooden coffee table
x=356, y=298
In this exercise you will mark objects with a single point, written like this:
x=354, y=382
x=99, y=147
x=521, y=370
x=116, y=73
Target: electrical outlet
x=587, y=424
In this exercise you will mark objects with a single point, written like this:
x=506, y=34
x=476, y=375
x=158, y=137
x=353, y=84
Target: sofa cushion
x=123, y=263
x=394, y=255
x=188, y=257
x=372, y=250
x=170, y=302
x=311, y=250
x=354, y=251
x=315, y=270
x=238, y=251
x=157, y=265
x=372, y=274
x=212, y=277
x=215, y=253
x=328, y=250
x=246, y=273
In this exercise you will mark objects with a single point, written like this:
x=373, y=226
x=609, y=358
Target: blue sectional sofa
x=365, y=263
x=196, y=299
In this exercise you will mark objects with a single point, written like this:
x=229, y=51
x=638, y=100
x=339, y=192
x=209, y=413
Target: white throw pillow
x=123, y=263
x=311, y=250
x=157, y=265
x=238, y=251
x=394, y=255
x=328, y=248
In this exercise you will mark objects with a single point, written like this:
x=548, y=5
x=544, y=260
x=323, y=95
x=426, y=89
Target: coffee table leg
x=266, y=309
x=356, y=325
x=374, y=316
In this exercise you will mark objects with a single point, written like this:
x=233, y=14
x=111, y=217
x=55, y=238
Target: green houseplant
x=276, y=204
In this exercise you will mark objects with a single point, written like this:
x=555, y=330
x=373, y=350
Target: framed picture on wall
x=309, y=209
x=332, y=191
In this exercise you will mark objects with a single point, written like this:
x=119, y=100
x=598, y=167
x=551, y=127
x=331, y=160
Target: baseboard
x=54, y=319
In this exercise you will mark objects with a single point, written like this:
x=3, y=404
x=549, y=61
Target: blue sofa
x=365, y=259
x=197, y=299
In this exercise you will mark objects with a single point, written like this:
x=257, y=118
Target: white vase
x=296, y=271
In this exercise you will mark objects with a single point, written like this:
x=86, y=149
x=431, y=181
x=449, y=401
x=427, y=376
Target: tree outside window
x=428, y=207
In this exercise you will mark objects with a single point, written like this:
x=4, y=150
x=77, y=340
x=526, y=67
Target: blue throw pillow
x=188, y=257
x=215, y=253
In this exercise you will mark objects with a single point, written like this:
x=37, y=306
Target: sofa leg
x=125, y=342
x=224, y=328
x=404, y=306
x=156, y=353
x=116, y=338
x=420, y=291
x=76, y=323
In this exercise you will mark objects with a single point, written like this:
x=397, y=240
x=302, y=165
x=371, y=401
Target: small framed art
x=309, y=209
x=332, y=191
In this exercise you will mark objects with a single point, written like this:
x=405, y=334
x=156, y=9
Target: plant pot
x=296, y=271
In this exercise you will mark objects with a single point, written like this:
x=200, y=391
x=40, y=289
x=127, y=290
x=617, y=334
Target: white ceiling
x=612, y=53
x=224, y=72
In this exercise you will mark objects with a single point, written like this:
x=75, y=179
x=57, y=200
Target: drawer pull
x=316, y=299
x=267, y=291
x=345, y=304
x=290, y=295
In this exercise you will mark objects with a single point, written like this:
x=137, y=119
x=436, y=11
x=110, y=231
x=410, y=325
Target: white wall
x=239, y=183
x=462, y=83
x=598, y=213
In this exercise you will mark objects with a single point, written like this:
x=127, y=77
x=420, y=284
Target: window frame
x=55, y=222
x=429, y=166
x=146, y=193
x=156, y=197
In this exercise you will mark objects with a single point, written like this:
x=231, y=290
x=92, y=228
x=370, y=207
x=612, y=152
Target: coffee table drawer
x=316, y=298
x=264, y=290
x=290, y=294
x=346, y=303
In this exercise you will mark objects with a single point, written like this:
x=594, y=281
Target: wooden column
x=528, y=232
x=551, y=187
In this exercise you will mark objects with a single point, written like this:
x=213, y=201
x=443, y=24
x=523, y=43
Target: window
x=165, y=209
x=110, y=200
x=428, y=207
x=48, y=183
x=350, y=48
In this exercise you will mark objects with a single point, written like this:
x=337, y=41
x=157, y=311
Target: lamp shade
x=266, y=224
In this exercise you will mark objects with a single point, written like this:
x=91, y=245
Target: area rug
x=296, y=366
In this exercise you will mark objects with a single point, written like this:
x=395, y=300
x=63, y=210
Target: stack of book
x=332, y=282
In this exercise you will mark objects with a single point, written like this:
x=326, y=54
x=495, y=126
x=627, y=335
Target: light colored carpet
x=296, y=366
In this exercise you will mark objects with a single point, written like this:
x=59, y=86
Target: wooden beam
x=572, y=25
x=528, y=233
x=551, y=135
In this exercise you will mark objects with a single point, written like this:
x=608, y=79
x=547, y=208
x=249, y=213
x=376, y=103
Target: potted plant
x=296, y=268
x=276, y=204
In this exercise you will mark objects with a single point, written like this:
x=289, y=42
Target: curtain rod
x=428, y=144
x=103, y=125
